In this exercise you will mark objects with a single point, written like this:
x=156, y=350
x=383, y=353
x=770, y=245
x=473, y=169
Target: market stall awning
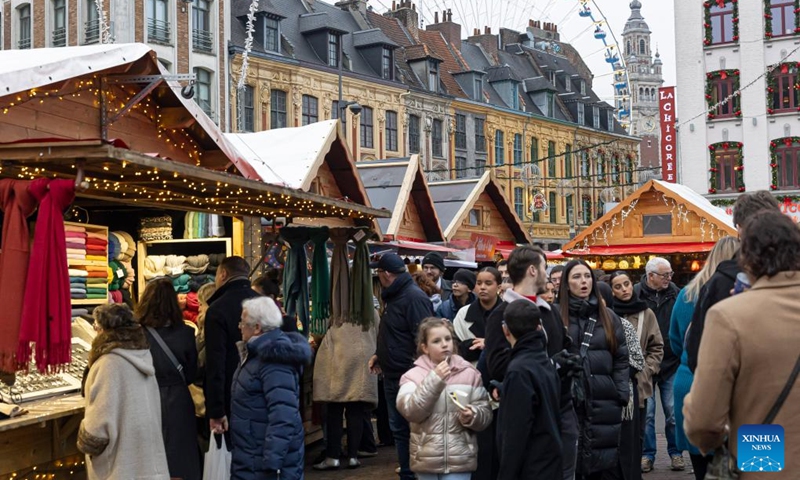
x=642, y=249
x=412, y=248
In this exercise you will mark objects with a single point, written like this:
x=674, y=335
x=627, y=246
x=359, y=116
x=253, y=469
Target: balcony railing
x=91, y=31
x=60, y=37
x=24, y=43
x=158, y=31
x=202, y=41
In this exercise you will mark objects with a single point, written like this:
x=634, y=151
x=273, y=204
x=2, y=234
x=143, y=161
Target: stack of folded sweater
x=76, y=242
x=77, y=283
x=96, y=247
x=155, y=228
x=96, y=282
x=203, y=225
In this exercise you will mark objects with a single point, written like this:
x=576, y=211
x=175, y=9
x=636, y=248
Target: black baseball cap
x=389, y=262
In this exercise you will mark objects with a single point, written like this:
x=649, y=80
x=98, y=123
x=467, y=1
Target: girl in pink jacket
x=444, y=401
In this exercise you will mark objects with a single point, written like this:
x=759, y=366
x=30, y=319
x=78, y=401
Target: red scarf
x=532, y=298
x=46, y=308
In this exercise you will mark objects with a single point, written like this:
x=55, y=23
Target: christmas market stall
x=151, y=189
x=659, y=219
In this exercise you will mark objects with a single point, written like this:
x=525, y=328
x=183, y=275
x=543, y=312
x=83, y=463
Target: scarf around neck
x=634, y=305
x=583, y=308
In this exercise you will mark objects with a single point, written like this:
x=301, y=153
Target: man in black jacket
x=433, y=266
x=720, y=284
x=659, y=293
x=405, y=306
x=529, y=421
x=221, y=334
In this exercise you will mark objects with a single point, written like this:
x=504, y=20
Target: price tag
x=120, y=273
x=359, y=235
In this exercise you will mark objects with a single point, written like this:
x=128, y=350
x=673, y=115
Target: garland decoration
x=712, y=105
x=102, y=25
x=768, y=33
x=714, y=165
x=773, y=156
x=707, y=21
x=248, y=47
x=772, y=83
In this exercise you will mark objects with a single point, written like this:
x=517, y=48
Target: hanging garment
x=17, y=204
x=320, y=282
x=340, y=277
x=46, y=308
x=362, y=308
x=295, y=274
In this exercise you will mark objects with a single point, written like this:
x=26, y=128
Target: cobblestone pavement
x=382, y=466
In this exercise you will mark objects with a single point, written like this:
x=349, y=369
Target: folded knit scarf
x=181, y=283
x=154, y=266
x=362, y=309
x=295, y=274
x=214, y=259
x=77, y=272
x=174, y=264
x=320, y=282
x=74, y=228
x=196, y=264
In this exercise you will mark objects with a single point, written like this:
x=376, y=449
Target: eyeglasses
x=665, y=275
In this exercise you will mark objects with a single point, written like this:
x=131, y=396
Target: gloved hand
x=570, y=365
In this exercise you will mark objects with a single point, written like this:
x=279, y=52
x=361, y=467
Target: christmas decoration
x=713, y=169
x=774, y=101
x=708, y=40
x=713, y=100
x=768, y=31
x=774, y=145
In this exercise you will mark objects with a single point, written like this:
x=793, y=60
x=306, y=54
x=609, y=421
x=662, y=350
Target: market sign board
x=669, y=142
x=792, y=209
x=484, y=247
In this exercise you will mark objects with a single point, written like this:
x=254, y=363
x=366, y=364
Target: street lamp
x=353, y=106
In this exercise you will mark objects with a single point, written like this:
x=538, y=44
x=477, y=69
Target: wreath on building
x=707, y=22
x=714, y=165
x=723, y=74
x=768, y=18
x=772, y=83
x=773, y=157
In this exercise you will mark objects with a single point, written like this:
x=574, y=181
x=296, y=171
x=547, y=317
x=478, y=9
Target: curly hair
x=159, y=306
x=425, y=283
x=748, y=204
x=770, y=245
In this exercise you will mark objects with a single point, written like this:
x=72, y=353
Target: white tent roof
x=286, y=155
x=698, y=201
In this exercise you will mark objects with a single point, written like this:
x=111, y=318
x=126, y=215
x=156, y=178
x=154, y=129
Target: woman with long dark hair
x=158, y=311
x=602, y=391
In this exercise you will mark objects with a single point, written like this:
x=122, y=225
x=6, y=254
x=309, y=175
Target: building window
x=583, y=87
x=553, y=206
x=248, y=104
x=567, y=83
x=551, y=160
x=581, y=114
x=333, y=50
x=203, y=91
x=461, y=131
x=413, y=134
x=499, y=148
x=391, y=131
x=202, y=40
x=585, y=169
x=642, y=47
x=433, y=76
x=474, y=219
x=519, y=202
x=586, y=210
x=782, y=89
x=477, y=87
x=59, y=23
x=782, y=20
x=480, y=166
x=367, y=134
x=720, y=86
x=629, y=171
x=601, y=208
x=788, y=170
x=310, y=110
x=725, y=167
x=567, y=161
x=158, y=21
x=437, y=138
x=517, y=149
x=610, y=120
x=596, y=117
x=24, y=12
x=551, y=104
x=535, y=152
x=480, y=135
x=388, y=64
x=336, y=112
x=570, y=211
x=720, y=21
x=615, y=177
x=271, y=35
x=277, y=109
x=601, y=168
x=91, y=28
x=461, y=167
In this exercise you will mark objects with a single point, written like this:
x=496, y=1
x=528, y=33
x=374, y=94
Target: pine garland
x=707, y=22
x=773, y=155
x=712, y=105
x=714, y=165
x=768, y=18
x=772, y=83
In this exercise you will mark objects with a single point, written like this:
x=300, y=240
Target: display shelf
x=88, y=301
x=71, y=262
x=84, y=263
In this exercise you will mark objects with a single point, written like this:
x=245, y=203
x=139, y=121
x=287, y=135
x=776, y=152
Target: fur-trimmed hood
x=278, y=347
x=129, y=343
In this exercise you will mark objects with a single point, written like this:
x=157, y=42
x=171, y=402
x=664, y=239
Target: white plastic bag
x=217, y=464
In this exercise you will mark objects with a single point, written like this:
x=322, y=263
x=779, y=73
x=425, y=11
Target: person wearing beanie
x=462, y=286
x=433, y=266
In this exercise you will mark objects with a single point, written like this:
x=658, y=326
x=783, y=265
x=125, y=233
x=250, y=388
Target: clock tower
x=645, y=76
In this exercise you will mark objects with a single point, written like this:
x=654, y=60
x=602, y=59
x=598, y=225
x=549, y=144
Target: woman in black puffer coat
x=602, y=391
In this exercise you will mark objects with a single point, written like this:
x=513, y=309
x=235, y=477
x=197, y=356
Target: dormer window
x=551, y=104
x=581, y=114
x=333, y=49
x=433, y=76
x=596, y=115
x=552, y=76
x=610, y=117
x=477, y=89
x=567, y=84
x=583, y=87
x=272, y=35
x=387, y=64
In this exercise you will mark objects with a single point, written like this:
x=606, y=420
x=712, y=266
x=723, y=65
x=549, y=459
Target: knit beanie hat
x=467, y=277
x=434, y=259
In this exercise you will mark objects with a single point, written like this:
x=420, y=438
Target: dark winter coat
x=717, y=288
x=405, y=306
x=447, y=289
x=448, y=309
x=178, y=425
x=661, y=303
x=605, y=380
x=266, y=429
x=529, y=422
x=221, y=334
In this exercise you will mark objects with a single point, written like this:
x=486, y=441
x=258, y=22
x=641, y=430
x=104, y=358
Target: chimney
x=546, y=30
x=508, y=37
x=449, y=30
x=406, y=13
x=489, y=42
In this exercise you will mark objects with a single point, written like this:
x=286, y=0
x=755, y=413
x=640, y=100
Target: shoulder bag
x=724, y=466
x=165, y=349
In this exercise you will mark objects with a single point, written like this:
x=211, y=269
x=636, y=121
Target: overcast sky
x=573, y=28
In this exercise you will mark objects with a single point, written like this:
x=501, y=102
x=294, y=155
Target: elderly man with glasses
x=659, y=293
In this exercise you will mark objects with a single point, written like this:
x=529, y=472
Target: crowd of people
x=509, y=372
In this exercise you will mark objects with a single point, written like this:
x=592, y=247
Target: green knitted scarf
x=362, y=309
x=320, y=282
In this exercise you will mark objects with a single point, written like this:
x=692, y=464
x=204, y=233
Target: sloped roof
x=501, y=73
x=391, y=27
x=450, y=64
x=454, y=199
x=241, y=9
x=373, y=36
x=392, y=184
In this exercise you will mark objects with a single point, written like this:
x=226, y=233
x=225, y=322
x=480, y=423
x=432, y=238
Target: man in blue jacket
x=405, y=306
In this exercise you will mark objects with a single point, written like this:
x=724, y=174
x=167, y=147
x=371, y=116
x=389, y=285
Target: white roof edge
x=699, y=201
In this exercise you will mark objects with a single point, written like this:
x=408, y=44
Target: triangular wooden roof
x=686, y=206
x=399, y=185
x=454, y=199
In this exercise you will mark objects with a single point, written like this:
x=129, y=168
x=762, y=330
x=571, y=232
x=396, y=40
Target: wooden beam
x=175, y=117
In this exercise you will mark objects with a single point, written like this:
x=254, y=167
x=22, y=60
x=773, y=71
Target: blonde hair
x=429, y=324
x=725, y=249
x=205, y=292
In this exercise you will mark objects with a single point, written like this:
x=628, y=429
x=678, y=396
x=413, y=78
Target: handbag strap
x=587, y=336
x=784, y=394
x=166, y=350
x=639, y=326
